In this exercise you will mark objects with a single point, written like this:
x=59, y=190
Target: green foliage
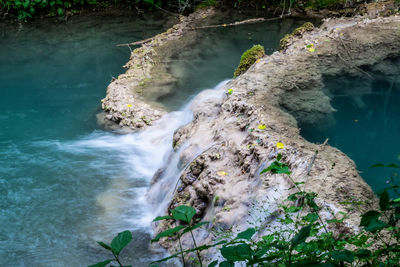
x=117, y=245
x=304, y=239
x=26, y=9
x=182, y=214
x=277, y=166
x=249, y=58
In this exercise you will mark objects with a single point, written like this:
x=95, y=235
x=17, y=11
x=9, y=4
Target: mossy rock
x=249, y=58
x=306, y=27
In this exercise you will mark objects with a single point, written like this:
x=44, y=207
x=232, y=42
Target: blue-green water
x=366, y=125
x=64, y=181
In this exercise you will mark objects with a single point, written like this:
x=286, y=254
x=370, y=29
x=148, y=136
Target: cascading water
x=64, y=182
x=167, y=181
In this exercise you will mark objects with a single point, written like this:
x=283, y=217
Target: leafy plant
x=303, y=238
x=182, y=217
x=117, y=245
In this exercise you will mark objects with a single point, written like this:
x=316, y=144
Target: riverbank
x=285, y=83
x=232, y=138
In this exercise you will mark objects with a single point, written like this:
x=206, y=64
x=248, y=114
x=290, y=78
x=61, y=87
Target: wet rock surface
x=233, y=136
x=130, y=100
x=278, y=92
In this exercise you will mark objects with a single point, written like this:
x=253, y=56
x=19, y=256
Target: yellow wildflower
x=129, y=105
x=311, y=49
x=258, y=61
x=230, y=91
x=222, y=173
x=279, y=145
x=262, y=126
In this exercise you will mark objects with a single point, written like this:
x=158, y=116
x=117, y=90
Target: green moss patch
x=284, y=42
x=249, y=58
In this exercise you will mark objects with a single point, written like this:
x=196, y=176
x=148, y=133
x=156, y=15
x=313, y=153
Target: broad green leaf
x=293, y=209
x=239, y=252
x=310, y=201
x=311, y=217
x=363, y=253
x=183, y=213
x=213, y=264
x=104, y=245
x=227, y=264
x=368, y=217
x=384, y=200
x=247, y=234
x=378, y=165
x=279, y=157
x=344, y=255
x=101, y=264
x=197, y=225
x=160, y=218
x=376, y=225
x=301, y=236
x=168, y=232
x=120, y=241
x=295, y=196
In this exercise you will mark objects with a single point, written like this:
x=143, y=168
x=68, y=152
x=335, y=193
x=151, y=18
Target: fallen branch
x=138, y=42
x=355, y=67
x=247, y=21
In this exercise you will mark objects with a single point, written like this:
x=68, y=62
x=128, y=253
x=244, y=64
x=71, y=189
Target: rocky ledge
x=236, y=127
x=234, y=137
x=131, y=98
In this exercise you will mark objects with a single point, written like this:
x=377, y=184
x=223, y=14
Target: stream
x=366, y=123
x=65, y=182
